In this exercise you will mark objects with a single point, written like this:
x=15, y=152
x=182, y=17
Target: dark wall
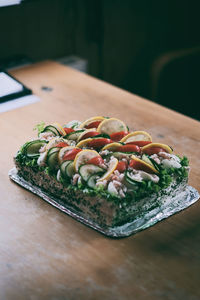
x=137, y=45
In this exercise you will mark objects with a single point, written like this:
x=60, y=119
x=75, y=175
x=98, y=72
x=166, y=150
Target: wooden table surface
x=45, y=254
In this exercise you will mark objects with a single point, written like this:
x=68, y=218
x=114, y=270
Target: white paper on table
x=9, y=85
x=19, y=102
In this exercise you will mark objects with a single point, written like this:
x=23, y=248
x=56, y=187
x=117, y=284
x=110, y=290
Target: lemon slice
x=144, y=165
x=83, y=156
x=84, y=132
x=59, y=128
x=158, y=145
x=111, y=125
x=63, y=151
x=91, y=120
x=111, y=169
x=136, y=136
x=83, y=143
x=111, y=146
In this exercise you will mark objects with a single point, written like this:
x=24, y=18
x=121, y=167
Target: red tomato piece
x=121, y=166
x=117, y=136
x=68, y=130
x=129, y=148
x=99, y=143
x=97, y=160
x=153, y=150
x=139, y=166
x=61, y=145
x=70, y=155
x=89, y=134
x=94, y=124
x=139, y=143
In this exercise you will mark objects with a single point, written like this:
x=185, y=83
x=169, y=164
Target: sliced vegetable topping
x=87, y=133
x=68, y=130
x=112, y=146
x=83, y=157
x=63, y=151
x=59, y=128
x=71, y=154
x=32, y=148
x=122, y=166
x=111, y=126
x=129, y=148
x=98, y=143
x=155, y=148
x=83, y=143
x=87, y=170
x=139, y=143
x=61, y=144
x=136, y=136
x=112, y=167
x=138, y=164
x=117, y=136
x=74, y=135
x=97, y=160
x=92, y=122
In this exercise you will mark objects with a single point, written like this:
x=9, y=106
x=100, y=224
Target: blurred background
x=148, y=47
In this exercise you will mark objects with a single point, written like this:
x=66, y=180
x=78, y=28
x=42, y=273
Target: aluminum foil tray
x=180, y=202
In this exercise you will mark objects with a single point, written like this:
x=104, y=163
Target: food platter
x=167, y=209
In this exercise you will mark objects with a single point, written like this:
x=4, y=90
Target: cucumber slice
x=146, y=159
x=73, y=135
x=32, y=148
x=52, y=158
x=63, y=167
x=69, y=170
x=52, y=129
x=92, y=180
x=129, y=178
x=150, y=161
x=87, y=170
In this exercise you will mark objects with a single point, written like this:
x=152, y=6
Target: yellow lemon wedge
x=83, y=143
x=142, y=165
x=156, y=145
x=59, y=128
x=91, y=120
x=63, y=151
x=111, y=146
x=111, y=125
x=136, y=136
x=83, y=157
x=111, y=169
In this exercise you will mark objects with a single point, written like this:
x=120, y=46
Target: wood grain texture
x=44, y=254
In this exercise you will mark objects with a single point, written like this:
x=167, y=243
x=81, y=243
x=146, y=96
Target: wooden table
x=44, y=254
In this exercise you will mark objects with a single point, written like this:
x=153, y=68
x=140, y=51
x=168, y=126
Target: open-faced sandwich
x=108, y=174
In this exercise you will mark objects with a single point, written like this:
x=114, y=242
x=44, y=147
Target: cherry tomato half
x=139, y=143
x=117, y=136
x=99, y=143
x=94, y=124
x=140, y=166
x=61, y=145
x=97, y=160
x=129, y=148
x=68, y=130
x=70, y=155
x=121, y=166
x=89, y=134
x=153, y=150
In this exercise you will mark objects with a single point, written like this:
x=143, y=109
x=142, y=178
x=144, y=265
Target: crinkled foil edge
x=182, y=200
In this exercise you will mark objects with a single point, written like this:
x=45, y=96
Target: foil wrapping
x=181, y=201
